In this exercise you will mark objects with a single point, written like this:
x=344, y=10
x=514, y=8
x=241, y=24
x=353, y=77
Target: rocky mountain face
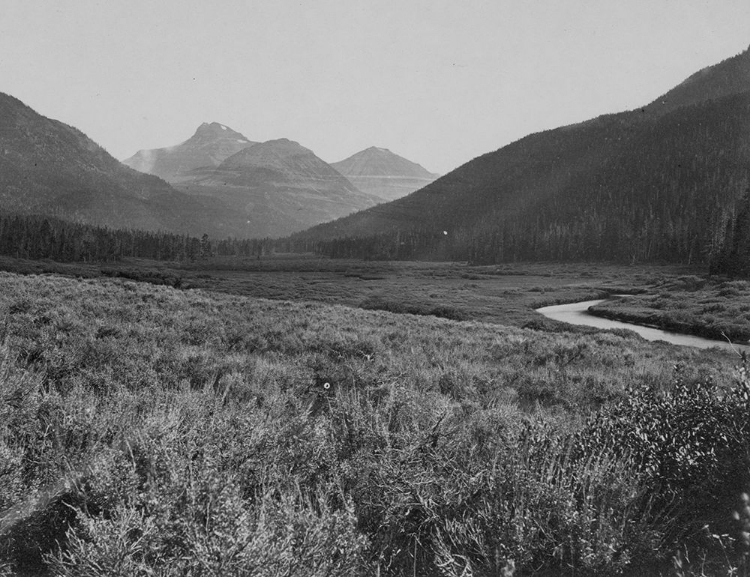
x=380, y=172
x=276, y=188
x=208, y=147
x=658, y=183
x=50, y=168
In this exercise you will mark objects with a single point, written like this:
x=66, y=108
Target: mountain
x=731, y=76
x=276, y=188
x=658, y=183
x=50, y=168
x=208, y=147
x=380, y=172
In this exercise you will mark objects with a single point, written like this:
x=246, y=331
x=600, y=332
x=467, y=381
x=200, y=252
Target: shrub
x=690, y=444
x=424, y=309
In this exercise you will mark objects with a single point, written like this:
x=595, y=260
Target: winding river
x=576, y=314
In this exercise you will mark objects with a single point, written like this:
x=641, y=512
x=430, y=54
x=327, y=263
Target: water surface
x=576, y=314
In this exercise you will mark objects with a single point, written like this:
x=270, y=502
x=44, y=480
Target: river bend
x=576, y=314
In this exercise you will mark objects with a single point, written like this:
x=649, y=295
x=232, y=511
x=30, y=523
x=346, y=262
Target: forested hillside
x=47, y=167
x=653, y=184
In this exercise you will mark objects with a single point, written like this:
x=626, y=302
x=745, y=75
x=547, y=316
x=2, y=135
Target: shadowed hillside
x=657, y=183
x=47, y=167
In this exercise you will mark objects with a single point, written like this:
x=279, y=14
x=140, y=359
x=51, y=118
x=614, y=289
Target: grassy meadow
x=502, y=294
x=210, y=430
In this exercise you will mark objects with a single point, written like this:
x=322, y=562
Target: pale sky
x=439, y=82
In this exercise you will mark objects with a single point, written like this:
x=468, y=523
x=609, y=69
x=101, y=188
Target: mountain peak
x=383, y=173
x=215, y=131
x=272, y=153
x=377, y=161
x=211, y=144
x=282, y=143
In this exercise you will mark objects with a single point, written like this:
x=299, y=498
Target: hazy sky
x=436, y=81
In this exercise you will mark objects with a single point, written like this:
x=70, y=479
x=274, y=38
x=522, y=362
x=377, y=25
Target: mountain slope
x=731, y=76
x=380, y=172
x=208, y=147
x=651, y=184
x=276, y=188
x=50, y=168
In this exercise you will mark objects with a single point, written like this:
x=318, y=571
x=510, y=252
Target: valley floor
x=502, y=294
x=258, y=420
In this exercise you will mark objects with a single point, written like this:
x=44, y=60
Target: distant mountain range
x=380, y=172
x=217, y=187
x=658, y=183
x=275, y=188
x=208, y=147
x=278, y=187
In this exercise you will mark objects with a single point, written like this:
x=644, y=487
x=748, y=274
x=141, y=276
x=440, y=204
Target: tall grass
x=150, y=431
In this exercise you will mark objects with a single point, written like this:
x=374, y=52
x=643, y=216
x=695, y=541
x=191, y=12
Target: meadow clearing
x=210, y=430
x=502, y=294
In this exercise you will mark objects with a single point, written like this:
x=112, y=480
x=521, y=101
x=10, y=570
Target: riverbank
x=578, y=314
x=708, y=308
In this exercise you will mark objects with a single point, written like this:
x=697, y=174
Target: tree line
x=41, y=237
x=734, y=257
x=724, y=243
